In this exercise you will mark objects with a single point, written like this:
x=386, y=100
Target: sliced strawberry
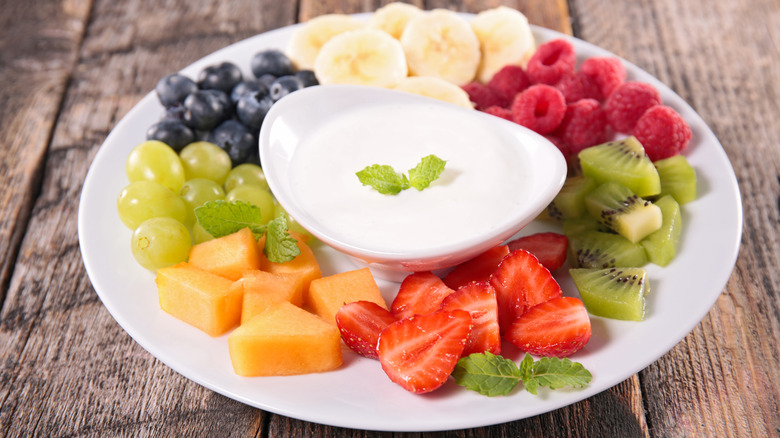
x=360, y=323
x=549, y=248
x=477, y=269
x=420, y=293
x=521, y=282
x=420, y=352
x=479, y=299
x=559, y=327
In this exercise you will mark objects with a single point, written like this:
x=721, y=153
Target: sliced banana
x=505, y=38
x=393, y=18
x=442, y=44
x=307, y=40
x=361, y=57
x=436, y=88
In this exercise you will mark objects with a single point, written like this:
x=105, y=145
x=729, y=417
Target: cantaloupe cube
x=284, y=340
x=304, y=264
x=229, y=256
x=199, y=298
x=261, y=289
x=328, y=294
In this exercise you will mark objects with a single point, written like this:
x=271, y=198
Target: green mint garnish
x=387, y=181
x=493, y=375
x=280, y=247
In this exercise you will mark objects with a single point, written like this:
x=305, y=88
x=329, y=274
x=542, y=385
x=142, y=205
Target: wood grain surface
x=70, y=69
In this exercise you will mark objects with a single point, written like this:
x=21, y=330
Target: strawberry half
x=521, y=282
x=420, y=352
x=549, y=248
x=360, y=324
x=477, y=269
x=559, y=327
x=479, y=299
x=420, y=293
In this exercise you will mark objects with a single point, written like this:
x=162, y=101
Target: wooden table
x=70, y=69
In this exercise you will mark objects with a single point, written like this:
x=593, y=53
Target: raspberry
x=607, y=73
x=662, y=132
x=499, y=112
x=509, y=81
x=539, y=108
x=482, y=96
x=577, y=86
x=583, y=125
x=627, y=104
x=552, y=60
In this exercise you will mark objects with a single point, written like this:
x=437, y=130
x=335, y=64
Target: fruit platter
x=355, y=391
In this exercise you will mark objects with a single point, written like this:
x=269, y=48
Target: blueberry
x=173, y=89
x=273, y=62
x=203, y=110
x=307, y=77
x=172, y=132
x=236, y=140
x=284, y=86
x=251, y=86
x=252, y=108
x=267, y=80
x=175, y=112
x=221, y=77
x=224, y=100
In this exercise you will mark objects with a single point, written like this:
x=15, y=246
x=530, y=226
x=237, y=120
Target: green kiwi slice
x=594, y=249
x=624, y=162
x=572, y=227
x=623, y=211
x=661, y=245
x=617, y=293
x=678, y=178
x=569, y=203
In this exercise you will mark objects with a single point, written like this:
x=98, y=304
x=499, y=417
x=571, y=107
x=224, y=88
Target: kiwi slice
x=623, y=211
x=617, y=293
x=572, y=227
x=624, y=162
x=570, y=201
x=678, y=178
x=661, y=245
x=594, y=249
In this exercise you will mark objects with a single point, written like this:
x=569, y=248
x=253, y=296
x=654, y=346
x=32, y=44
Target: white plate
x=358, y=395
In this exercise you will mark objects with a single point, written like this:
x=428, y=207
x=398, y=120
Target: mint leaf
x=555, y=373
x=221, y=218
x=383, y=178
x=426, y=172
x=280, y=247
x=487, y=374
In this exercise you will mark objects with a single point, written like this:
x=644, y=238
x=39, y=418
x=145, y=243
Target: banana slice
x=393, y=18
x=505, y=38
x=308, y=39
x=361, y=57
x=436, y=88
x=440, y=43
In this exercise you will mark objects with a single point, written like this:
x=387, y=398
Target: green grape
x=292, y=224
x=160, y=242
x=155, y=161
x=205, y=160
x=144, y=200
x=254, y=195
x=197, y=192
x=246, y=174
x=199, y=234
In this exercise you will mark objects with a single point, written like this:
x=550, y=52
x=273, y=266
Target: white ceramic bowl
x=298, y=117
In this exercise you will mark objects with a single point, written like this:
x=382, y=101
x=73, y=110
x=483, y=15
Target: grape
x=197, y=192
x=254, y=195
x=205, y=160
x=155, y=161
x=199, y=234
x=160, y=242
x=246, y=174
x=142, y=200
x=292, y=224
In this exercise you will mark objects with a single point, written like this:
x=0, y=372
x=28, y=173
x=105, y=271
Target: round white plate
x=359, y=395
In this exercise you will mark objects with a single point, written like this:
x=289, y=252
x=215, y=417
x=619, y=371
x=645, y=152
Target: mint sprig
x=493, y=375
x=384, y=179
x=280, y=247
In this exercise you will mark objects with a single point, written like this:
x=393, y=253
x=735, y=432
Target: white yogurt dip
x=484, y=181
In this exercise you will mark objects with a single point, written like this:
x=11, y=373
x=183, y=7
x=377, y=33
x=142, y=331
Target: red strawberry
x=360, y=323
x=521, y=282
x=477, y=269
x=479, y=299
x=559, y=327
x=420, y=293
x=420, y=352
x=549, y=248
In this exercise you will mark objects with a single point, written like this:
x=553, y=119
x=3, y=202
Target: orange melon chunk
x=262, y=289
x=304, y=264
x=199, y=298
x=284, y=340
x=230, y=256
x=328, y=294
